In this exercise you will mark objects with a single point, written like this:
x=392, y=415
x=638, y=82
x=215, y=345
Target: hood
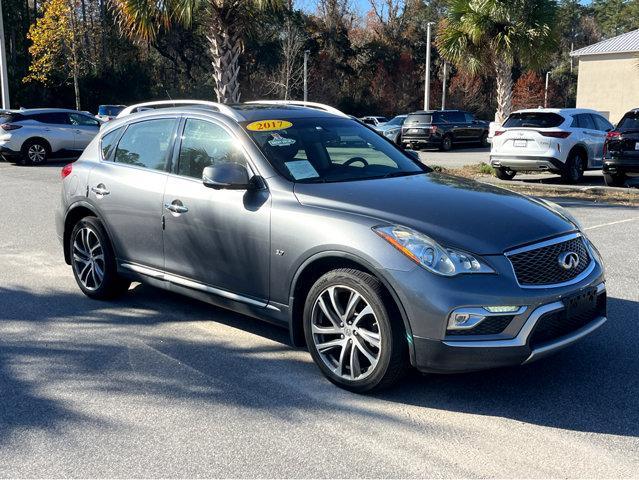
x=454, y=211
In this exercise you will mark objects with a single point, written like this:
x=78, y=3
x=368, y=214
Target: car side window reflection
x=108, y=141
x=146, y=144
x=205, y=144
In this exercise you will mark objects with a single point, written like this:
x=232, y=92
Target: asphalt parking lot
x=157, y=385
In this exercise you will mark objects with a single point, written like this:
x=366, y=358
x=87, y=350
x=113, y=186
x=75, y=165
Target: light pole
x=444, y=89
x=4, y=79
x=546, y=90
x=306, y=54
x=427, y=73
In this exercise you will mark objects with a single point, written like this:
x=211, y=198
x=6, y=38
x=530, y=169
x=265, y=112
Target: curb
x=595, y=190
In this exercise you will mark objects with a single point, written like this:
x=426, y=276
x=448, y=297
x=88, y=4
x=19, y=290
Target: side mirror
x=412, y=154
x=229, y=176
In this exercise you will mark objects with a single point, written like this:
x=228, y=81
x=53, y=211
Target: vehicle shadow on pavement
x=592, y=386
x=60, y=352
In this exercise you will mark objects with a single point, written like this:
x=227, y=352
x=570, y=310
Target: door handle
x=100, y=190
x=78, y=131
x=176, y=207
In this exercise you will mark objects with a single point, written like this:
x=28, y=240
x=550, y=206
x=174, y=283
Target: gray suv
x=306, y=218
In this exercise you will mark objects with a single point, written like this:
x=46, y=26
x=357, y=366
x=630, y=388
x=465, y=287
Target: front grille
x=540, y=266
x=557, y=324
x=489, y=326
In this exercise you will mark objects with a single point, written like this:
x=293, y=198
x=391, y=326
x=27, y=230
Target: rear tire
x=34, y=152
x=615, y=179
x=574, y=169
x=503, y=173
x=93, y=261
x=361, y=348
x=483, y=141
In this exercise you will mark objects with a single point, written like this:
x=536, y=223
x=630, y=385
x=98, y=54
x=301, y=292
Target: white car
x=32, y=136
x=566, y=141
x=374, y=121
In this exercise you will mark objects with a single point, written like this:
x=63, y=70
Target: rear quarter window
x=534, y=120
x=107, y=142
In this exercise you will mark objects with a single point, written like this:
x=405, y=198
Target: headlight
x=561, y=211
x=426, y=252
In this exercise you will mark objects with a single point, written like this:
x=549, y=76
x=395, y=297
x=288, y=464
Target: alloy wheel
x=88, y=258
x=346, y=332
x=36, y=153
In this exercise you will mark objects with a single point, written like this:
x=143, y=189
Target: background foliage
x=364, y=60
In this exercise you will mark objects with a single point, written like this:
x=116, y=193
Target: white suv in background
x=566, y=141
x=32, y=136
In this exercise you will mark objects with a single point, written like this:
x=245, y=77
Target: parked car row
x=567, y=142
x=441, y=129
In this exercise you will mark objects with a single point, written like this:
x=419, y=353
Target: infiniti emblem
x=568, y=260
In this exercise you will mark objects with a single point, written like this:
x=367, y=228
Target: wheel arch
x=74, y=214
x=321, y=263
x=583, y=149
x=40, y=139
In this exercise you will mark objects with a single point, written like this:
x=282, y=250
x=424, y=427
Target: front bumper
x=520, y=163
x=450, y=356
x=428, y=301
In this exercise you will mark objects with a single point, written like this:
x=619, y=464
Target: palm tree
x=226, y=22
x=491, y=35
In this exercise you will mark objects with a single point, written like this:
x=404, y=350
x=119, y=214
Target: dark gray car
x=308, y=219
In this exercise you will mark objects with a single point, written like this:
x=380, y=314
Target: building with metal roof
x=609, y=75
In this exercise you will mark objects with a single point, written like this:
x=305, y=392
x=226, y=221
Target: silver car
x=369, y=258
x=32, y=136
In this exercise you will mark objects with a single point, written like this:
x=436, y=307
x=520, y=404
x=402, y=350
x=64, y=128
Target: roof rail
x=220, y=107
x=301, y=103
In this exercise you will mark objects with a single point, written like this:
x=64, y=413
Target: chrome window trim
x=547, y=243
x=522, y=337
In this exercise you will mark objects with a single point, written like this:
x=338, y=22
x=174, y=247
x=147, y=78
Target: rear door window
x=534, y=120
x=53, y=118
x=146, y=144
x=585, y=121
x=630, y=121
x=454, y=117
x=83, y=120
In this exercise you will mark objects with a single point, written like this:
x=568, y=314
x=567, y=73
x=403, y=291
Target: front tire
x=349, y=332
x=35, y=152
x=93, y=261
x=615, y=179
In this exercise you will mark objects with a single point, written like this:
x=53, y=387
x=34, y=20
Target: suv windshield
x=629, y=122
x=534, y=120
x=315, y=150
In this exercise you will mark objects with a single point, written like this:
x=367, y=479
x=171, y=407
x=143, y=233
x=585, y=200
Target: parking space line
x=612, y=223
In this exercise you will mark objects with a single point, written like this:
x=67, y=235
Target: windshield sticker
x=268, y=125
x=279, y=141
x=301, y=169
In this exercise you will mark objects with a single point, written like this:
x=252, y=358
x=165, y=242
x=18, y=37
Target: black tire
x=34, y=152
x=111, y=284
x=392, y=354
x=503, y=173
x=573, y=171
x=615, y=179
x=447, y=143
x=483, y=141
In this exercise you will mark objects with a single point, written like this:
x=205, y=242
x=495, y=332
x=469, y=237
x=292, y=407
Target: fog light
x=464, y=320
x=502, y=308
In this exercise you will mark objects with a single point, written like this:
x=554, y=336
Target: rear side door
x=474, y=129
x=590, y=137
x=127, y=188
x=457, y=126
x=602, y=127
x=221, y=239
x=84, y=129
x=55, y=128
